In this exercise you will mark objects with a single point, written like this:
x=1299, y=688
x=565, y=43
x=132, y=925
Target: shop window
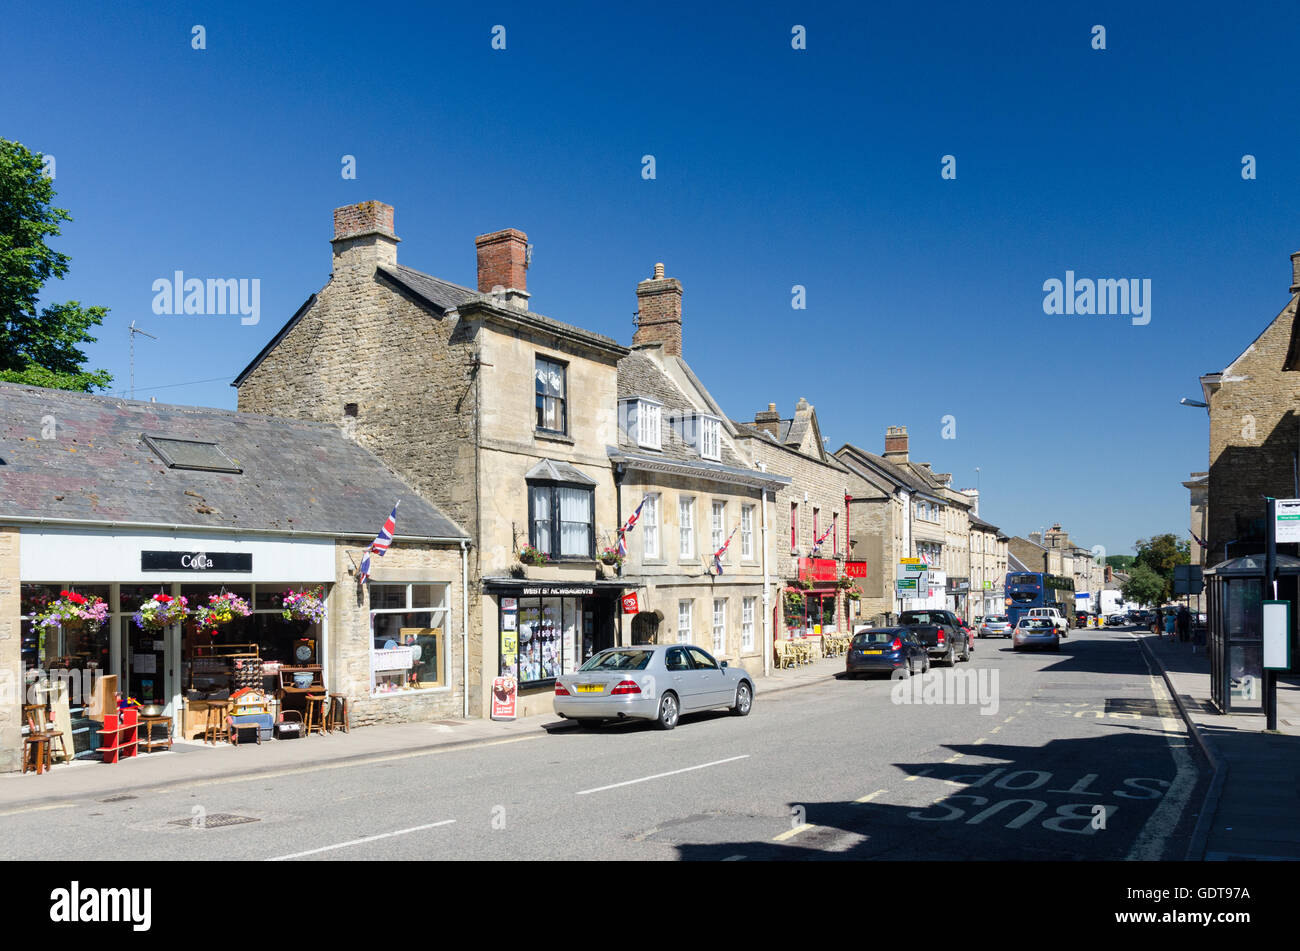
x=540, y=638
x=408, y=639
x=551, y=412
x=560, y=519
x=684, y=621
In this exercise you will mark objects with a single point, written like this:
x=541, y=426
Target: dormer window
x=710, y=437
x=642, y=421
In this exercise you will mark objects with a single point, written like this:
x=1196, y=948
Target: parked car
x=940, y=632
x=1116, y=620
x=1081, y=619
x=1036, y=632
x=656, y=682
x=995, y=625
x=885, y=649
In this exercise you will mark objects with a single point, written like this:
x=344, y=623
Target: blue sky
x=775, y=167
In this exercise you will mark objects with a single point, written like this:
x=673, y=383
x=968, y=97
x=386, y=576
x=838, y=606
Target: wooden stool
x=315, y=714
x=338, y=710
x=215, y=727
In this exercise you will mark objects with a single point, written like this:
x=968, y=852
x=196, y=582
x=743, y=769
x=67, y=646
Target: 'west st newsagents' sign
x=197, y=561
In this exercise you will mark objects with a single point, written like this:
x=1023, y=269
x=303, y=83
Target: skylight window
x=191, y=454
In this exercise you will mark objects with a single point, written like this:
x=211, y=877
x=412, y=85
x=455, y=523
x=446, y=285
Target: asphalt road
x=1076, y=755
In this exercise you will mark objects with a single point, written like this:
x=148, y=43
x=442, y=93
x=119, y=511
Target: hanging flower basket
x=610, y=556
x=221, y=609
x=160, y=612
x=305, y=605
x=533, y=556
x=794, y=603
x=73, y=608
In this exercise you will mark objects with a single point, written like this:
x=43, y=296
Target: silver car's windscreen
x=619, y=660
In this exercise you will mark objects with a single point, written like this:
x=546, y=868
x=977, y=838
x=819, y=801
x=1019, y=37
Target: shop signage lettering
x=629, y=603
x=570, y=590
x=236, y=561
x=817, y=569
x=855, y=569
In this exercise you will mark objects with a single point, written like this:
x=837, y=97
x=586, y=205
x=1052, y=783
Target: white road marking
x=870, y=796
x=1150, y=842
x=954, y=757
x=646, y=779
x=791, y=833
x=982, y=739
x=369, y=838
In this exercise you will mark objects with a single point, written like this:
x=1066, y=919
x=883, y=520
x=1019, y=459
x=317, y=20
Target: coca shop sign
x=236, y=561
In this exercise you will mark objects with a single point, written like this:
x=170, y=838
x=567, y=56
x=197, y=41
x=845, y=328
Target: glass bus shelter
x=1235, y=618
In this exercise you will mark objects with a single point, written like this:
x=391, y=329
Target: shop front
x=812, y=603
x=234, y=630
x=546, y=629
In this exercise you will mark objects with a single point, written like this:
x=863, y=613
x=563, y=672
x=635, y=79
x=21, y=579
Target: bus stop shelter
x=1235, y=618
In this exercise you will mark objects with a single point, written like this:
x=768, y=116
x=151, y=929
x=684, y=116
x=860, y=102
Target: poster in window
x=548, y=638
x=570, y=634
x=509, y=621
x=509, y=604
x=528, y=657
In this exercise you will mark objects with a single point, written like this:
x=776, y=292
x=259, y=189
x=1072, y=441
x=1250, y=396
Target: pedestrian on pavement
x=1184, y=624
x=1169, y=624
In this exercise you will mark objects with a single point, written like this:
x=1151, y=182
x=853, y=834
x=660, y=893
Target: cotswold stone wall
x=350, y=639
x=11, y=675
x=1254, y=430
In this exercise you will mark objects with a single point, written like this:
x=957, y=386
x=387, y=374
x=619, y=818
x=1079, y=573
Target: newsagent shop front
x=544, y=629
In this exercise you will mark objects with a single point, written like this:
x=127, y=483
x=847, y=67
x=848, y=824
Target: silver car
x=995, y=625
x=1036, y=632
x=656, y=682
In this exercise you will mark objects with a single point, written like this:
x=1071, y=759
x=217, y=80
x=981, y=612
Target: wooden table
x=146, y=741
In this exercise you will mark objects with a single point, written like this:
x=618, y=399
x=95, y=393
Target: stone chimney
x=1295, y=273
x=896, y=444
x=659, y=312
x=769, y=421
x=1036, y=537
x=503, y=266
x=364, y=237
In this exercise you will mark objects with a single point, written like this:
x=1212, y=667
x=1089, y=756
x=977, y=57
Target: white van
x=1055, y=616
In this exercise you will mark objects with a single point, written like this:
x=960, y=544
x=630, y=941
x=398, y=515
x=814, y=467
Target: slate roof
x=981, y=524
x=903, y=476
x=558, y=471
x=640, y=375
x=442, y=294
x=297, y=476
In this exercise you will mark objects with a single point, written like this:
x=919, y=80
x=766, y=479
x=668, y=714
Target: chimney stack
x=1295, y=273
x=364, y=237
x=503, y=265
x=769, y=421
x=659, y=312
x=896, y=443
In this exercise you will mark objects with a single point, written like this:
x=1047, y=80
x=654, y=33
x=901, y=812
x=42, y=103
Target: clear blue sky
x=775, y=167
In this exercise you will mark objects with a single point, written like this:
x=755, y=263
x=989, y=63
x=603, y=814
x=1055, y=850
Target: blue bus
x=1036, y=589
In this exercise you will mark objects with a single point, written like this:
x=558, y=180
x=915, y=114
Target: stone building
x=1254, y=434
x=810, y=518
x=498, y=414
x=123, y=500
x=988, y=567
x=678, y=459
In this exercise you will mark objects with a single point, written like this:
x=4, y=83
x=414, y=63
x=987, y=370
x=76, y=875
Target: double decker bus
x=1036, y=589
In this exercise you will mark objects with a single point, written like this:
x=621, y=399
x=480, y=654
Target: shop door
x=598, y=631
x=148, y=658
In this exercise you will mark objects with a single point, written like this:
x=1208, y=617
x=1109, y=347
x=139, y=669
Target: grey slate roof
x=983, y=525
x=639, y=375
x=442, y=294
x=902, y=476
x=297, y=476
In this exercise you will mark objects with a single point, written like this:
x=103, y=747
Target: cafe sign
x=197, y=561
x=855, y=569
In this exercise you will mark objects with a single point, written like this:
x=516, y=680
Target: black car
x=884, y=650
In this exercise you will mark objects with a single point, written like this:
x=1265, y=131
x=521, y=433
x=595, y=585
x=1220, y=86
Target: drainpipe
x=768, y=647
x=464, y=627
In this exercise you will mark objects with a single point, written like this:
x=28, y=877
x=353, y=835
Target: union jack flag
x=380, y=545
x=825, y=535
x=631, y=522
x=1203, y=544
x=717, y=555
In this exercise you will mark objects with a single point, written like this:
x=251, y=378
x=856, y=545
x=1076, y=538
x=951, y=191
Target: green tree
x=1143, y=586
x=1120, y=562
x=38, y=347
x=1161, y=554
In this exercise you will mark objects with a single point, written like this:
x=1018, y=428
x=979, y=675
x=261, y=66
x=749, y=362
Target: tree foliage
x=1120, y=562
x=1161, y=554
x=1143, y=586
x=41, y=346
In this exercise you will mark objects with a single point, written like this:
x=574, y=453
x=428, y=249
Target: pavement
x=1251, y=805
x=195, y=761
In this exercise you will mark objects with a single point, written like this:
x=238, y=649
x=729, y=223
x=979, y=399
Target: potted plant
x=533, y=556
x=221, y=609
x=73, y=608
x=307, y=604
x=161, y=611
x=610, y=560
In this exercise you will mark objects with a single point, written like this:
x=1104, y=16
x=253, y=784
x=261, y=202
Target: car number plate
x=591, y=688
x=873, y=652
